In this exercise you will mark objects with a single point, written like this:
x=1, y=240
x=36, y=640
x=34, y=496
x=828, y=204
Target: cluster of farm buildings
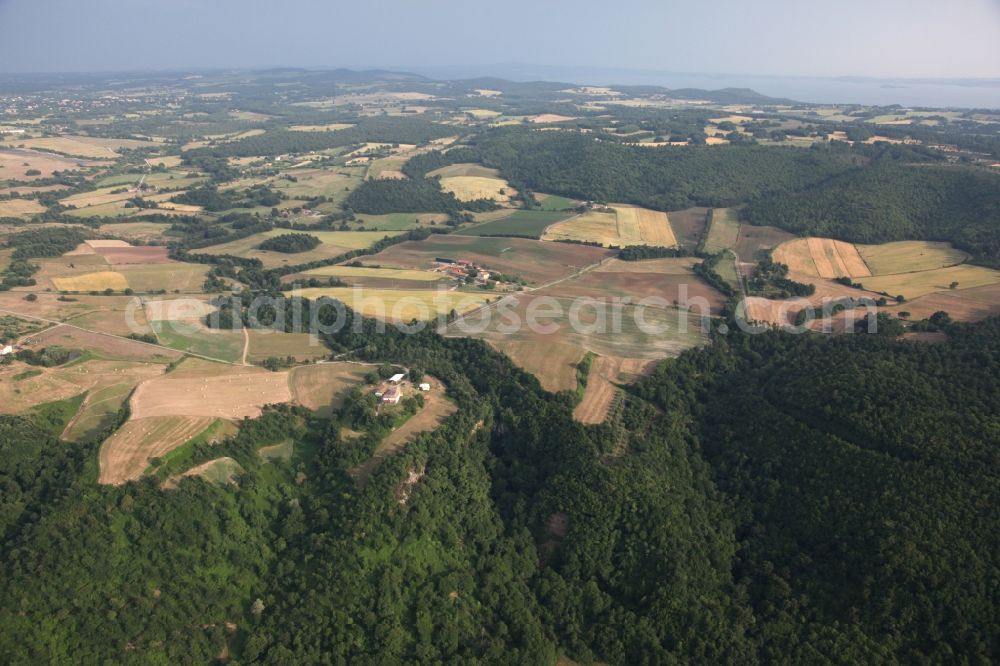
x=391, y=392
x=462, y=270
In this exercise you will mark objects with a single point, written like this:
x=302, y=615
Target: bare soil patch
x=233, y=393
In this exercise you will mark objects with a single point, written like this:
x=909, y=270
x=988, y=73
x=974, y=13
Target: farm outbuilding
x=396, y=378
x=425, y=387
x=6, y=350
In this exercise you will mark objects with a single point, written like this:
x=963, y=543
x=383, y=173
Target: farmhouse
x=391, y=396
x=425, y=387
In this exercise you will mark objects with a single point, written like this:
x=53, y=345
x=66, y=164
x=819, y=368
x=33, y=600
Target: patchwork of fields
x=333, y=244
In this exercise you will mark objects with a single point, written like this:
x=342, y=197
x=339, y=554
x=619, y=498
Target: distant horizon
x=888, y=39
x=929, y=92
x=419, y=69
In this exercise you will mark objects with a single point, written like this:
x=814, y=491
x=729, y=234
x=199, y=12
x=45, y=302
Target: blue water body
x=979, y=94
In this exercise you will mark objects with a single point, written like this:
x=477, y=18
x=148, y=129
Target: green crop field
x=523, y=223
x=553, y=202
x=222, y=345
x=723, y=232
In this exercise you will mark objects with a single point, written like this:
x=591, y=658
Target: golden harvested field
x=234, y=392
x=551, y=118
x=126, y=454
x=599, y=394
x=86, y=146
x=362, y=272
x=772, y=311
x=822, y=257
x=48, y=306
x=618, y=226
x=402, y=305
x=971, y=304
x=653, y=226
x=471, y=188
x=101, y=244
x=723, y=232
x=94, y=375
x=464, y=169
x=20, y=207
x=267, y=343
x=334, y=243
x=330, y=127
x=22, y=190
x=14, y=164
x=98, y=281
x=910, y=256
x=97, y=197
x=593, y=226
x=189, y=310
x=171, y=276
x=914, y=285
x=105, y=346
x=553, y=363
x=137, y=231
x=320, y=387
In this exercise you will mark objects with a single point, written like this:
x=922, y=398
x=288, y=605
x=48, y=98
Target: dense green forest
x=890, y=201
x=867, y=194
x=769, y=498
x=389, y=195
x=584, y=167
x=212, y=199
x=291, y=243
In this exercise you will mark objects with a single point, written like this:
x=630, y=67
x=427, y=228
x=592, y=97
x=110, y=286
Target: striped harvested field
x=126, y=454
x=822, y=257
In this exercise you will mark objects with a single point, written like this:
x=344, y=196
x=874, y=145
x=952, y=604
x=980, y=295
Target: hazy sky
x=911, y=38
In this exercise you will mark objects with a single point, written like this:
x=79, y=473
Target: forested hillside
x=867, y=194
x=585, y=167
x=771, y=498
x=889, y=201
